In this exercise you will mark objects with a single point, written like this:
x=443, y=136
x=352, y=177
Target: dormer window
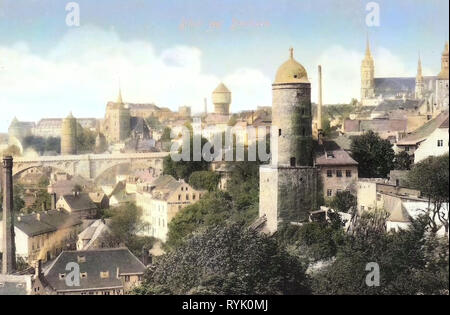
x=83, y=275
x=81, y=259
x=62, y=276
x=104, y=274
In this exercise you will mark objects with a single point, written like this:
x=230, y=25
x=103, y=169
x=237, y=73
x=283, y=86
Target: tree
x=312, y=241
x=431, y=177
x=85, y=139
x=215, y=208
x=184, y=169
x=229, y=259
x=205, y=180
x=18, y=202
x=344, y=201
x=402, y=161
x=126, y=222
x=374, y=155
x=41, y=144
x=410, y=262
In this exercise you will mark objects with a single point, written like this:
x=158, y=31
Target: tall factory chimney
x=8, y=244
x=319, y=108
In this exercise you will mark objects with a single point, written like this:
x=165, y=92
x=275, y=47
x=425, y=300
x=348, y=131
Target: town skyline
x=62, y=70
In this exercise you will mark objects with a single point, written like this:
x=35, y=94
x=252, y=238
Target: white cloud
x=81, y=74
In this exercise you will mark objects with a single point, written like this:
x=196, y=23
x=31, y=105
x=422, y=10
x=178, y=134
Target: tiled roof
x=81, y=201
x=45, y=222
x=335, y=157
x=114, y=261
x=424, y=131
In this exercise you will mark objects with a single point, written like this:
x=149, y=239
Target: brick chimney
x=8, y=244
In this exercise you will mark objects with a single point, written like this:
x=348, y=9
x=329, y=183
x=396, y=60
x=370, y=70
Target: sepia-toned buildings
x=161, y=200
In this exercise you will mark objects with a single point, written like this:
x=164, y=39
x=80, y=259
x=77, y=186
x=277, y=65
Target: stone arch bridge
x=91, y=166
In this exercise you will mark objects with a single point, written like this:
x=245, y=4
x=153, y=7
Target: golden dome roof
x=291, y=71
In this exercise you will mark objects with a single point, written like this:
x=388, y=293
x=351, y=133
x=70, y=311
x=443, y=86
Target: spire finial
x=367, y=44
x=419, y=67
x=291, y=52
x=119, y=97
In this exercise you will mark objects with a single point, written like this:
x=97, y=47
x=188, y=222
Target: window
x=127, y=278
x=329, y=193
x=348, y=173
x=329, y=173
x=407, y=149
x=187, y=196
x=62, y=276
x=378, y=197
x=81, y=259
x=279, y=132
x=362, y=208
x=83, y=275
x=338, y=173
x=179, y=197
x=292, y=161
x=104, y=274
x=440, y=143
x=193, y=196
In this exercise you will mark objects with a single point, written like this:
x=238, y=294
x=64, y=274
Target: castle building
x=221, y=98
x=117, y=123
x=288, y=186
x=367, y=75
x=69, y=135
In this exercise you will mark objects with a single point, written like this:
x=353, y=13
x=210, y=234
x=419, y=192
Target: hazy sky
x=174, y=52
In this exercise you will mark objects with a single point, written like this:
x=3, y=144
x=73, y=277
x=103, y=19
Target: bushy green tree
x=402, y=161
x=226, y=260
x=431, y=177
x=85, y=139
x=410, y=262
x=205, y=180
x=374, y=155
x=343, y=201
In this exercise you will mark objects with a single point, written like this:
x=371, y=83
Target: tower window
x=292, y=161
x=279, y=132
x=303, y=132
x=440, y=143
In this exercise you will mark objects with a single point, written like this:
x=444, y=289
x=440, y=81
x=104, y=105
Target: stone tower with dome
x=289, y=184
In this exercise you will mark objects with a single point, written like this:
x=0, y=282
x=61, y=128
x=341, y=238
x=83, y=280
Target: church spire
x=119, y=97
x=368, y=46
x=419, y=67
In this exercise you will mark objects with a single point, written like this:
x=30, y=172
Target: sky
x=175, y=52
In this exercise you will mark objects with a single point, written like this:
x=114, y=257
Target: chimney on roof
x=38, y=216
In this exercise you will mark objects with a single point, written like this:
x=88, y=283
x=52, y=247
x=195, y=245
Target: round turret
x=221, y=98
x=291, y=115
x=69, y=135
